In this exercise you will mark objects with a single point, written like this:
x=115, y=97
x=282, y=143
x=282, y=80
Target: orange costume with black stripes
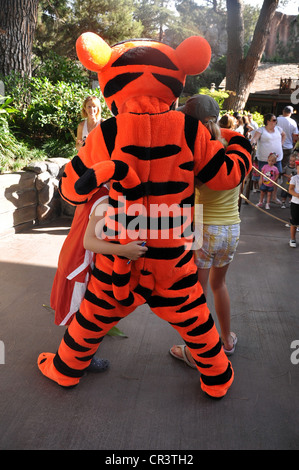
x=151, y=156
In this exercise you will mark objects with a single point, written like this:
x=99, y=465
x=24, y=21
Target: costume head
x=142, y=67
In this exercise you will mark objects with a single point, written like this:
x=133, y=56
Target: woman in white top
x=91, y=111
x=269, y=139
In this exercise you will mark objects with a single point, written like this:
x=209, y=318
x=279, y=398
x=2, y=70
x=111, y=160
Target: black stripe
x=86, y=183
x=121, y=170
x=242, y=169
x=121, y=280
x=242, y=141
x=203, y=328
x=241, y=155
x=150, y=188
x=109, y=130
x=92, y=298
x=116, y=203
x=203, y=366
x=200, y=301
x=157, y=301
x=78, y=166
x=94, y=340
x=85, y=358
x=102, y=276
x=151, y=153
x=143, y=55
x=185, y=323
x=191, y=126
x=187, y=201
x=71, y=343
x=185, y=259
x=87, y=325
x=212, y=352
x=185, y=282
x=145, y=292
x=165, y=252
x=212, y=167
x=107, y=320
x=189, y=166
x=64, y=369
x=151, y=223
x=195, y=345
x=218, y=379
x=175, y=85
x=229, y=163
x=119, y=82
x=128, y=301
x=114, y=108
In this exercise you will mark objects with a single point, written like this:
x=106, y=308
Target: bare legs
x=216, y=278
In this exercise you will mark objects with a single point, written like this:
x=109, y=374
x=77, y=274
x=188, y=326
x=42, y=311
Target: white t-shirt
x=295, y=182
x=289, y=126
x=269, y=142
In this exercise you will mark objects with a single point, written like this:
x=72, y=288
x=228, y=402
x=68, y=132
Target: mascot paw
x=46, y=366
x=86, y=183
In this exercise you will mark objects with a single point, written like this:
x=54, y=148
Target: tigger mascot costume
x=151, y=156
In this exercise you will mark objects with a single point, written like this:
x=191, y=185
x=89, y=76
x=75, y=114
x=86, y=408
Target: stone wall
x=31, y=196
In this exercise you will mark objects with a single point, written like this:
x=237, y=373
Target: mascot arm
x=81, y=178
x=221, y=168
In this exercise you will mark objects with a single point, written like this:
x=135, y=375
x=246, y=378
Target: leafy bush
x=46, y=114
x=60, y=69
x=14, y=154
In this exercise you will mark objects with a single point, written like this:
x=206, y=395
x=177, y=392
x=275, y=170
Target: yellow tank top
x=219, y=207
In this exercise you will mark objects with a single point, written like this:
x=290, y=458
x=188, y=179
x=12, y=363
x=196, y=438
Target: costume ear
x=93, y=52
x=194, y=55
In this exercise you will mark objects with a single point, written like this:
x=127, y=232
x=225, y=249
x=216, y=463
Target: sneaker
x=277, y=201
x=292, y=243
x=283, y=206
x=267, y=206
x=259, y=204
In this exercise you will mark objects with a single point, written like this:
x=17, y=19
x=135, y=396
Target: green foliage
x=218, y=95
x=57, y=68
x=44, y=116
x=14, y=154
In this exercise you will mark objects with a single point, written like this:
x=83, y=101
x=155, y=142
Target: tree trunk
x=17, y=25
x=240, y=71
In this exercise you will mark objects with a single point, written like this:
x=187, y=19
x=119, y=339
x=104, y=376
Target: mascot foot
x=46, y=366
x=218, y=391
x=98, y=365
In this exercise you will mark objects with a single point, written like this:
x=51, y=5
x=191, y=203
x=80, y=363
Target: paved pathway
x=148, y=400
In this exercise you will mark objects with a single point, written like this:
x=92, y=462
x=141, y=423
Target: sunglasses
x=273, y=120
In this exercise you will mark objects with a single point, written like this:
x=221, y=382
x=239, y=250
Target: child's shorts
x=219, y=245
x=284, y=194
x=266, y=189
x=294, y=208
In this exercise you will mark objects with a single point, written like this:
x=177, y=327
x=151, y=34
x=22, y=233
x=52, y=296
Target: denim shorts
x=219, y=245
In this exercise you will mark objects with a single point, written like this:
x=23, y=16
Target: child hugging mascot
x=150, y=155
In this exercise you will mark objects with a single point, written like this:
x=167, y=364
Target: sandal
x=230, y=352
x=184, y=357
x=98, y=365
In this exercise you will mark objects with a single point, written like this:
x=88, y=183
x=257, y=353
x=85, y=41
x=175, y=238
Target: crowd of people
x=275, y=159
